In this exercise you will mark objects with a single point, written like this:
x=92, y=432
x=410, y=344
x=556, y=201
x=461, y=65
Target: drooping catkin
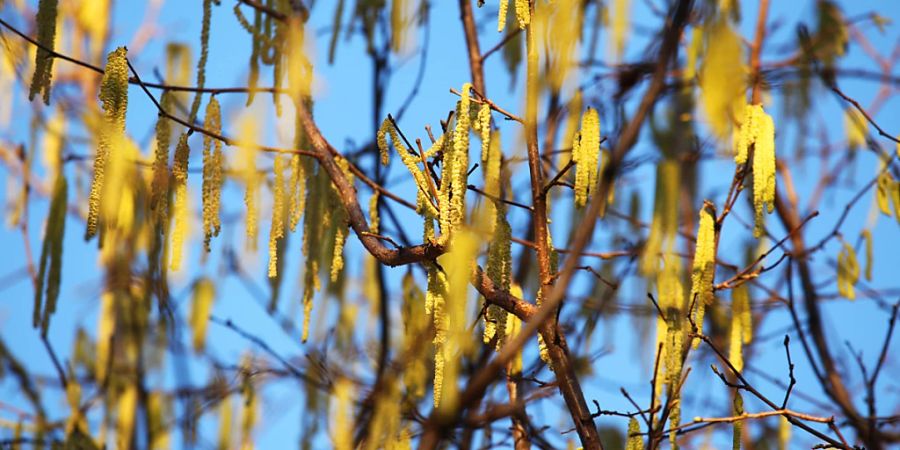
x=213, y=170
x=459, y=164
x=249, y=403
x=501, y=15
x=114, y=99
x=296, y=191
x=250, y=177
x=513, y=328
x=738, y=427
x=313, y=227
x=867, y=238
x=204, y=56
x=51, y=255
x=201, y=307
x=159, y=188
x=634, y=435
x=340, y=222
x=704, y=267
x=499, y=270
x=523, y=13
x=758, y=131
x=43, y=62
x=847, y=272
x=179, y=177
x=435, y=303
x=722, y=76
x=586, y=154
x=276, y=231
x=381, y=140
x=741, y=326
x=342, y=415
x=665, y=216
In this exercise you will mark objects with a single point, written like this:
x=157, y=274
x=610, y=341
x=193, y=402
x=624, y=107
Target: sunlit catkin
x=704, y=267
x=763, y=171
x=847, y=272
x=381, y=140
x=159, y=187
x=213, y=178
x=114, y=99
x=499, y=267
x=738, y=427
x=460, y=163
x=276, y=230
x=523, y=13
x=635, y=442
x=586, y=154
x=179, y=177
x=201, y=307
x=43, y=63
x=741, y=326
x=249, y=130
x=501, y=15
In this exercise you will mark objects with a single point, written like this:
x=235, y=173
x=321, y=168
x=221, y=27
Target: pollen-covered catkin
x=501, y=15
x=213, y=161
x=704, y=267
x=276, y=230
x=159, y=187
x=43, y=62
x=586, y=153
x=114, y=99
x=523, y=13
x=381, y=140
x=758, y=131
x=179, y=176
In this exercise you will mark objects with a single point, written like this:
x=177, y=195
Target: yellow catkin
x=340, y=221
x=225, y=425
x=562, y=20
x=587, y=157
x=572, y=124
x=114, y=98
x=513, y=328
x=704, y=267
x=43, y=62
x=634, y=437
x=523, y=13
x=415, y=324
x=484, y=128
x=106, y=325
x=313, y=227
x=499, y=267
x=883, y=187
x=411, y=161
x=460, y=161
x=763, y=169
x=276, y=231
x=435, y=304
x=741, y=326
x=159, y=187
x=50, y=265
x=784, y=433
x=867, y=237
x=738, y=426
x=126, y=411
x=158, y=412
x=213, y=162
x=342, y=415
x=857, y=127
x=249, y=129
x=381, y=140
x=722, y=76
x=179, y=176
x=665, y=216
x=501, y=15
x=457, y=264
x=620, y=24
x=201, y=307
x=848, y=272
x=669, y=331
x=297, y=191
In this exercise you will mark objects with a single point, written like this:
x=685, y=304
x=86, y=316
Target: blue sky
x=343, y=112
